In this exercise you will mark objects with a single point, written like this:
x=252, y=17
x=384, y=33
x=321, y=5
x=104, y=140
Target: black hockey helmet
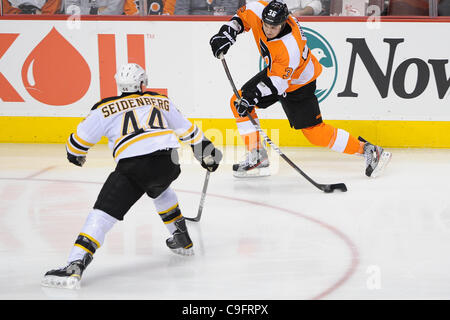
x=275, y=13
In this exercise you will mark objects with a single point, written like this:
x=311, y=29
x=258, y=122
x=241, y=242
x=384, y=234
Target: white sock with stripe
x=167, y=206
x=97, y=224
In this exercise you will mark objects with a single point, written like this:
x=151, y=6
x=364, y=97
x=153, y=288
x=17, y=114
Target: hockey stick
x=202, y=199
x=328, y=188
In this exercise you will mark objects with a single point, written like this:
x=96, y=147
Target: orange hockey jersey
x=291, y=64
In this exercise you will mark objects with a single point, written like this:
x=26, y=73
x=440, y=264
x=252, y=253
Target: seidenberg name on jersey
x=134, y=101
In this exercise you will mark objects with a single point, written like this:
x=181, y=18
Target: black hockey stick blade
x=202, y=199
x=196, y=219
x=328, y=188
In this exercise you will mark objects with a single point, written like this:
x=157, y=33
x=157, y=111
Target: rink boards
x=387, y=81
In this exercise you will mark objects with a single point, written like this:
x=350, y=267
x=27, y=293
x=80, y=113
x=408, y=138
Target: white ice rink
x=269, y=238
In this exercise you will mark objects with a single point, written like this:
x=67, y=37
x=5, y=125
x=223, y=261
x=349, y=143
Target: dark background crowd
x=227, y=7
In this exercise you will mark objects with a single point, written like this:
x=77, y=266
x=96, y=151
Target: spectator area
x=334, y=8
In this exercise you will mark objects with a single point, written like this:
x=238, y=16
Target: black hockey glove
x=222, y=41
x=208, y=156
x=76, y=160
x=248, y=101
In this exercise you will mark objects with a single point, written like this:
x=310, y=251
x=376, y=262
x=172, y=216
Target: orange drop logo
x=55, y=73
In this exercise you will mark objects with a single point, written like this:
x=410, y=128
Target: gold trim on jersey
x=188, y=132
x=199, y=137
x=139, y=138
x=192, y=136
x=76, y=145
x=84, y=142
x=73, y=150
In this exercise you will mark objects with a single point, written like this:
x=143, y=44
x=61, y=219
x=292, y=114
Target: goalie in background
x=143, y=129
x=290, y=78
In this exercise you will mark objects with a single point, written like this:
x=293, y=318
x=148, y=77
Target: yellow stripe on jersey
x=81, y=141
x=75, y=151
x=139, y=138
x=192, y=136
x=197, y=139
x=188, y=132
x=121, y=139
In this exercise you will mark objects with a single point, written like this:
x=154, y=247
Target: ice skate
x=68, y=277
x=180, y=242
x=255, y=164
x=376, y=159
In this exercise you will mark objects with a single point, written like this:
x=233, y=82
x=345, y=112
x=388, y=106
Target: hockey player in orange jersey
x=290, y=78
x=143, y=129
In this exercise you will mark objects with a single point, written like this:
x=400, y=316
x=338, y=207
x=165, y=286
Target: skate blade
x=72, y=282
x=254, y=173
x=183, y=251
x=384, y=160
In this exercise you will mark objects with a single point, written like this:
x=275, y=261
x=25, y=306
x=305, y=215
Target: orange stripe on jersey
x=249, y=15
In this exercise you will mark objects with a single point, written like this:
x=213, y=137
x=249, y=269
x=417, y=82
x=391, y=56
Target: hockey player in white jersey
x=143, y=129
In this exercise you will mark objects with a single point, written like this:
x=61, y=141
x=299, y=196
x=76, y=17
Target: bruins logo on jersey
x=265, y=54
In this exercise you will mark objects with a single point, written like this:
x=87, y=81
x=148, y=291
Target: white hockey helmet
x=130, y=76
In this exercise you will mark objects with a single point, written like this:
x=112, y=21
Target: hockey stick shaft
x=324, y=187
x=202, y=198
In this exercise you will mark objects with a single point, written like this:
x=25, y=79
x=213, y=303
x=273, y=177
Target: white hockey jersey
x=135, y=124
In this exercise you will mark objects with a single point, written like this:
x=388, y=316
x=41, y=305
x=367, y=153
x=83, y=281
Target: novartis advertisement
x=384, y=71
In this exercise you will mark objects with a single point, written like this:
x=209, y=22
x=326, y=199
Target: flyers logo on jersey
x=265, y=54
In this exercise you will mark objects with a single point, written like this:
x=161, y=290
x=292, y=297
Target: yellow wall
x=429, y=134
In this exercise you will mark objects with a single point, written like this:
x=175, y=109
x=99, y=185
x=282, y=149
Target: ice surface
x=275, y=237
